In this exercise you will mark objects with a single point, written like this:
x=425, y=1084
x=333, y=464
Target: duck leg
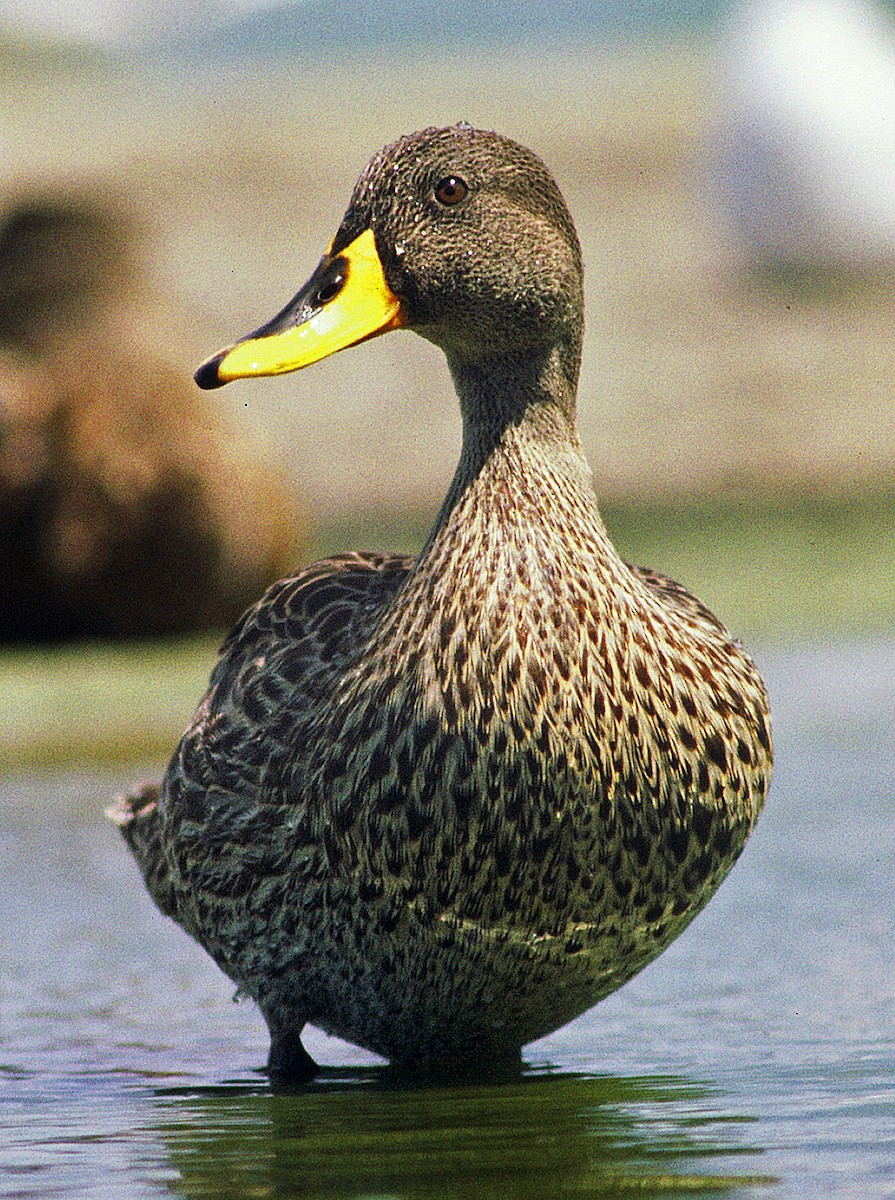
x=288, y=1062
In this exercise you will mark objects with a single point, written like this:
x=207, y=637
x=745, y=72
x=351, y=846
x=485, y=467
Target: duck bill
x=346, y=301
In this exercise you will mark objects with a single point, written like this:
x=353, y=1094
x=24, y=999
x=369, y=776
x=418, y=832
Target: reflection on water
x=541, y=1136
x=357, y=1133
x=759, y=1047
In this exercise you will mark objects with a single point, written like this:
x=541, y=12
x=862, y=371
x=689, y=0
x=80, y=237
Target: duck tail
x=138, y=818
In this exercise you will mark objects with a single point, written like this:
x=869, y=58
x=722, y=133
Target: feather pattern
x=440, y=806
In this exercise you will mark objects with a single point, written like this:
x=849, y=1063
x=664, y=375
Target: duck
x=440, y=806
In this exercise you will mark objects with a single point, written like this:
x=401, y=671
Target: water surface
x=756, y=1057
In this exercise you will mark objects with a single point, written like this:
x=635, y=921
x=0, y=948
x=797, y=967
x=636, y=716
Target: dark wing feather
x=137, y=816
x=324, y=609
x=279, y=659
x=283, y=658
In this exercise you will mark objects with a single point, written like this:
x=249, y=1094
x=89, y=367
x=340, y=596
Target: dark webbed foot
x=289, y=1063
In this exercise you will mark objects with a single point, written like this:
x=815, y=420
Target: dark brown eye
x=451, y=190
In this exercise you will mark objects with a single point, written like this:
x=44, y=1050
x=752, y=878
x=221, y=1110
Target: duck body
x=441, y=806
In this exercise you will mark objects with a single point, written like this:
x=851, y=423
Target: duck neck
x=518, y=419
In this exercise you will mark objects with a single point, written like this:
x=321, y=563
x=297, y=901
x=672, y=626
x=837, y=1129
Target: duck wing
x=137, y=816
x=280, y=658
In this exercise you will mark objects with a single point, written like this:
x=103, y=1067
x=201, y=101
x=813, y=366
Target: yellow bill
x=345, y=301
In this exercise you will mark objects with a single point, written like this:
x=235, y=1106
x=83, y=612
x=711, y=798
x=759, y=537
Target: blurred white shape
x=806, y=149
x=116, y=21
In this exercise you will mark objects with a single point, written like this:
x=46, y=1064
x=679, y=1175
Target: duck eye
x=451, y=190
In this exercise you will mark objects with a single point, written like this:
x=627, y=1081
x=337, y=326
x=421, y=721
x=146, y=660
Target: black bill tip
x=207, y=375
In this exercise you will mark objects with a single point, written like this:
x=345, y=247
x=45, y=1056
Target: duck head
x=458, y=234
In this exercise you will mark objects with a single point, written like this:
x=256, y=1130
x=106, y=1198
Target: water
x=755, y=1058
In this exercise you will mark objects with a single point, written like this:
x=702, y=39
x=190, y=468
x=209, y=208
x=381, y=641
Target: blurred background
x=170, y=174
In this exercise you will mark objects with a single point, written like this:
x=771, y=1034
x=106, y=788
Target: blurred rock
x=127, y=508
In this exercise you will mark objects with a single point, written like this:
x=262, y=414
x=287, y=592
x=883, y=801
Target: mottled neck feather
x=519, y=566
x=518, y=407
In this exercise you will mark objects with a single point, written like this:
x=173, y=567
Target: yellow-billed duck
x=440, y=806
